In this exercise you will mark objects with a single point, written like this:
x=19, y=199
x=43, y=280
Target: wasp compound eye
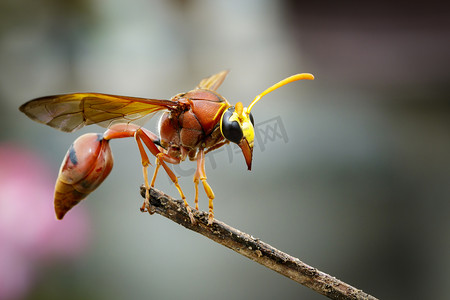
x=231, y=130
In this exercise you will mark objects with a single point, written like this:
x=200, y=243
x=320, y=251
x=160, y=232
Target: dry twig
x=254, y=249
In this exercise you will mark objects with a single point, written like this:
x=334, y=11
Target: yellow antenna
x=278, y=85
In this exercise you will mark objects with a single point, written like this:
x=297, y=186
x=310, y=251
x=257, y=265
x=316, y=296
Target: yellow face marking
x=249, y=132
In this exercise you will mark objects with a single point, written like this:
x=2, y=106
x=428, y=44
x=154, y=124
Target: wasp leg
x=158, y=164
x=143, y=136
x=161, y=159
x=197, y=176
x=124, y=130
x=196, y=181
x=202, y=176
x=145, y=162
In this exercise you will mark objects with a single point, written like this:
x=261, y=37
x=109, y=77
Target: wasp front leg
x=201, y=176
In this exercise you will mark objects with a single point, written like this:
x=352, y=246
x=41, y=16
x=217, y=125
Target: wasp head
x=237, y=123
x=236, y=126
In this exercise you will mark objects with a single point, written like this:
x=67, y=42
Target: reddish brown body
x=193, y=124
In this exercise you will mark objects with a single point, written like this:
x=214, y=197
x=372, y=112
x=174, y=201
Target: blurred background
x=357, y=184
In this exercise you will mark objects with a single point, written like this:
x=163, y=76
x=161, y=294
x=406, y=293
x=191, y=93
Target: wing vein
x=70, y=112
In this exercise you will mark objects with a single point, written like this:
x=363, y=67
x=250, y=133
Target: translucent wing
x=213, y=82
x=73, y=111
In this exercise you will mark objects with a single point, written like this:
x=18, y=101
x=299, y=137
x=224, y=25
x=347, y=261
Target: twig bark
x=254, y=249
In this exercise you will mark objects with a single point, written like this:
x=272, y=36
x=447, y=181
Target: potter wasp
x=192, y=124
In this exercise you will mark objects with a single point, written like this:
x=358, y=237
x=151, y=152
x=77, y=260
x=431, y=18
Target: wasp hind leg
x=146, y=206
x=124, y=130
x=147, y=138
x=161, y=159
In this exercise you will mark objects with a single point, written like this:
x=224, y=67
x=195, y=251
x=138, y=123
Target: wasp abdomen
x=87, y=163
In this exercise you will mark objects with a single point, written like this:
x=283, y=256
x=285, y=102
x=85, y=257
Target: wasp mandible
x=192, y=124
